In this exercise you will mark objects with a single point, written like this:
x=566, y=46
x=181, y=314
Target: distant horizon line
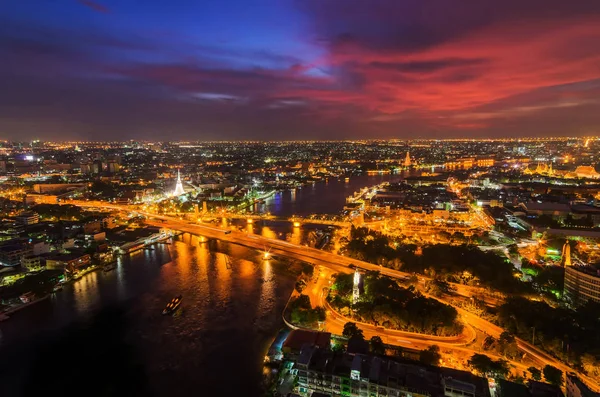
x=471, y=139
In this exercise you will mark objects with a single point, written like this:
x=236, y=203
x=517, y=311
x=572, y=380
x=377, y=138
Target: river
x=231, y=310
x=327, y=197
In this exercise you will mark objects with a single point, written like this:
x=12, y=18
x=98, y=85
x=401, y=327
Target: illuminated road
x=317, y=290
x=341, y=264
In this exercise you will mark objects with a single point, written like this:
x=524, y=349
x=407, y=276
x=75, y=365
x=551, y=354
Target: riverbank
x=232, y=311
x=49, y=283
x=22, y=306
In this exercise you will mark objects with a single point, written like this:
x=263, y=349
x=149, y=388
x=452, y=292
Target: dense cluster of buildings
x=40, y=250
x=506, y=195
x=318, y=371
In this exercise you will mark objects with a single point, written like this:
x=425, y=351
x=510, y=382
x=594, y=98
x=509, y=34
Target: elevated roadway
x=340, y=264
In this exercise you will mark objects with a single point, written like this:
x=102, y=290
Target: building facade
x=28, y=218
x=358, y=375
x=582, y=283
x=11, y=254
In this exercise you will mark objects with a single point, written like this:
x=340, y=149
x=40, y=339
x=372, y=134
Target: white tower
x=179, y=186
x=355, y=291
x=566, y=254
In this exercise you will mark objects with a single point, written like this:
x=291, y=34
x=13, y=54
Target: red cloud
x=496, y=72
x=487, y=66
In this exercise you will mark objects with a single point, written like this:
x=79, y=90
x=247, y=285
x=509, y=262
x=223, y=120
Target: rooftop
x=298, y=338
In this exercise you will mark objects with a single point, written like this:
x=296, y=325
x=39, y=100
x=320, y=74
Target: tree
x=553, y=375
x=437, y=287
x=507, y=345
x=320, y=313
x=500, y=368
x=350, y=330
x=481, y=363
x=536, y=374
x=488, y=367
x=376, y=345
x=431, y=355
x=308, y=270
x=344, y=283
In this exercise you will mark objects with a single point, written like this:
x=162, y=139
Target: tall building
x=355, y=290
x=113, y=166
x=178, y=186
x=566, y=254
x=97, y=167
x=582, y=283
x=85, y=168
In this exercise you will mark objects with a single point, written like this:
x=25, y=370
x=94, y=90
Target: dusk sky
x=305, y=69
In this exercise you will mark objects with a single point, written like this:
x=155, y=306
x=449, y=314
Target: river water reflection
x=231, y=311
x=232, y=304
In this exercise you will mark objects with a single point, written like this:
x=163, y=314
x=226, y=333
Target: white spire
x=178, y=186
x=407, y=162
x=355, y=290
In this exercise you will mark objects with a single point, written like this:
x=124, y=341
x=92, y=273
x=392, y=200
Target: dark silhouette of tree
x=536, y=374
x=376, y=345
x=350, y=330
x=507, y=345
x=488, y=367
x=553, y=375
x=555, y=327
x=431, y=355
x=301, y=311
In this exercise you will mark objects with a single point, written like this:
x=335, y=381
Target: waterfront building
x=582, y=283
x=31, y=262
x=69, y=262
x=11, y=254
x=299, y=338
x=343, y=374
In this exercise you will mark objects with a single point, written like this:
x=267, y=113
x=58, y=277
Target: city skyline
x=471, y=264
x=105, y=70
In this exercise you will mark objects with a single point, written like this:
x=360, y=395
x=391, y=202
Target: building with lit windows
x=27, y=218
x=582, y=283
x=343, y=374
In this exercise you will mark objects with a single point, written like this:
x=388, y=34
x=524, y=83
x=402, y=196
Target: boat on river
x=173, y=305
